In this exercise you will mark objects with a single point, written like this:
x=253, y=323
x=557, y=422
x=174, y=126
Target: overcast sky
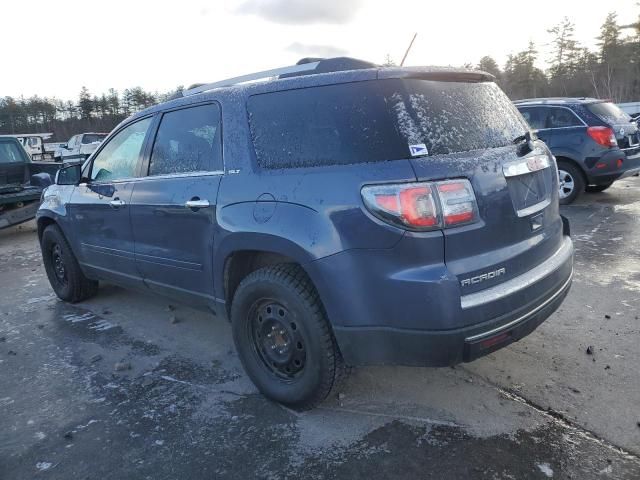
x=55, y=47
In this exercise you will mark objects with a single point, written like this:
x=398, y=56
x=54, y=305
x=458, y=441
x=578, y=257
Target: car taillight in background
x=603, y=136
x=423, y=206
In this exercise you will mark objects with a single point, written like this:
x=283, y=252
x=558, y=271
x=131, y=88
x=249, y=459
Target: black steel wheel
x=277, y=340
x=58, y=265
x=64, y=273
x=283, y=337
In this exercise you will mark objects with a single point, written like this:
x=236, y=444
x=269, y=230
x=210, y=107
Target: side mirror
x=42, y=180
x=64, y=145
x=69, y=175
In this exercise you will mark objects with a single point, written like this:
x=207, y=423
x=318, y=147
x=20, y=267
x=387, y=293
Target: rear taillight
x=458, y=202
x=603, y=136
x=423, y=206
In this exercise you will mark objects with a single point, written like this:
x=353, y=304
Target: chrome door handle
x=197, y=204
x=117, y=203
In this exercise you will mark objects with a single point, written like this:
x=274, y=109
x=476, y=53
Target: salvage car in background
x=34, y=144
x=79, y=147
x=21, y=182
x=594, y=142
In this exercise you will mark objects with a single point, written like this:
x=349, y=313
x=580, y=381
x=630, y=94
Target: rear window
x=10, y=153
x=91, y=138
x=376, y=121
x=609, y=113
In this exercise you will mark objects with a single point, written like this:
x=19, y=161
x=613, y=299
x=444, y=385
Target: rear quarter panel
x=303, y=213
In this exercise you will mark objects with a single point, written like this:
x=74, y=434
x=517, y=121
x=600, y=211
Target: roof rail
x=305, y=67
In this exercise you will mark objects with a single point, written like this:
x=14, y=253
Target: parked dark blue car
x=345, y=215
x=594, y=142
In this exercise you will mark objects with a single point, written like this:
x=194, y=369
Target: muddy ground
x=113, y=388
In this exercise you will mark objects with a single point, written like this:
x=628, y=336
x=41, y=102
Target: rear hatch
x=471, y=130
x=625, y=129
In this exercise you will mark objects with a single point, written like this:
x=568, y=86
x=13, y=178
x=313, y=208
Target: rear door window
x=10, y=153
x=92, y=138
x=380, y=120
x=562, y=118
x=188, y=140
x=536, y=117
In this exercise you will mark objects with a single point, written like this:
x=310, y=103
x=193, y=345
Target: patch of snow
x=101, y=326
x=546, y=469
x=42, y=466
x=79, y=318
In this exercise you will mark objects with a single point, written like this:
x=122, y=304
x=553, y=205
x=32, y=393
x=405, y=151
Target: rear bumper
x=630, y=166
x=389, y=346
x=502, y=315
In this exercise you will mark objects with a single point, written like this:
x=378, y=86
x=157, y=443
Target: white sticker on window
x=418, y=150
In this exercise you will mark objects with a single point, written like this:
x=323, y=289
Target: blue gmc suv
x=340, y=214
x=594, y=142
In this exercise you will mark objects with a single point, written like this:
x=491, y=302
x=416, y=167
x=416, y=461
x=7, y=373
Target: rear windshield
x=380, y=120
x=92, y=137
x=609, y=113
x=10, y=153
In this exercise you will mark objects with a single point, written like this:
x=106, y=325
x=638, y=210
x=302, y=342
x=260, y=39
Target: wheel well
x=240, y=264
x=575, y=164
x=44, y=222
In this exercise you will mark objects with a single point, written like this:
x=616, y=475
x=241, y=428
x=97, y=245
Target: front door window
x=119, y=158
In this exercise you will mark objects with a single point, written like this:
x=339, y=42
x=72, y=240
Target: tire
x=598, y=188
x=63, y=271
x=283, y=337
x=571, y=180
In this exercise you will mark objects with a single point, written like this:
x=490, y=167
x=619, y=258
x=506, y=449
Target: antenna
x=305, y=67
x=408, y=48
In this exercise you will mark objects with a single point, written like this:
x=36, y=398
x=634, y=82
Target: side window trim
x=110, y=138
x=541, y=111
x=550, y=107
x=155, y=126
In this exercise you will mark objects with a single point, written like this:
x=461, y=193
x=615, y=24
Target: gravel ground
x=117, y=388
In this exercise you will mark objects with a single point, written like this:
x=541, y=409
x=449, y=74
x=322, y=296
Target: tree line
x=90, y=113
x=612, y=71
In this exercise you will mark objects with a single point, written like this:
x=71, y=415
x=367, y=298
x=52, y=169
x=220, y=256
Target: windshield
x=609, y=113
x=379, y=120
x=10, y=153
x=93, y=137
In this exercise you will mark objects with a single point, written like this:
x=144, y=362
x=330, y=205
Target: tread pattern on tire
x=82, y=287
x=293, y=276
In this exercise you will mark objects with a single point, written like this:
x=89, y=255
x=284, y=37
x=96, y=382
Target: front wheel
x=571, y=182
x=62, y=268
x=283, y=337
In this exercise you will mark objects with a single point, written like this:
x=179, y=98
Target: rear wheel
x=598, y=188
x=571, y=182
x=62, y=268
x=283, y=337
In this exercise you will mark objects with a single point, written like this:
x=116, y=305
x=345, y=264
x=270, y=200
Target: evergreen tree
x=85, y=103
x=489, y=65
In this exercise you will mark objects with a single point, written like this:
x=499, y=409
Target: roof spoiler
x=265, y=74
x=437, y=74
